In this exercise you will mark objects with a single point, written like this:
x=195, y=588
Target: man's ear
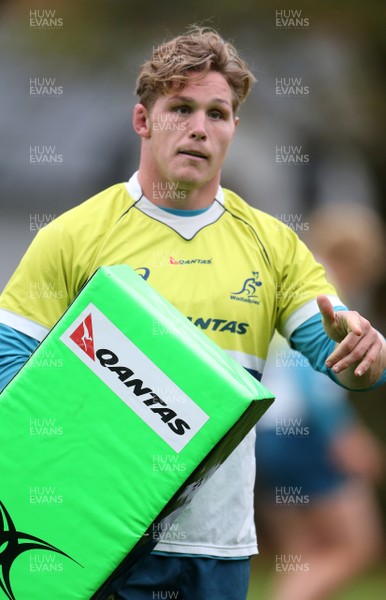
x=141, y=121
x=236, y=123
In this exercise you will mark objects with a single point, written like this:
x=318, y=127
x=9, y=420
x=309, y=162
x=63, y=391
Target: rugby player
x=234, y=271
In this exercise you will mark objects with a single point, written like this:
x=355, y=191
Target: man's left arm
x=359, y=357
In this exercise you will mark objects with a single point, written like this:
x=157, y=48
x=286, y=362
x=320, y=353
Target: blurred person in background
x=316, y=462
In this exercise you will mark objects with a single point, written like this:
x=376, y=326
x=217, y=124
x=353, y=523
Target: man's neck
x=170, y=194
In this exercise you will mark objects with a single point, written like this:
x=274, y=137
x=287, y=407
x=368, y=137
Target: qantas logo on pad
x=134, y=378
x=83, y=337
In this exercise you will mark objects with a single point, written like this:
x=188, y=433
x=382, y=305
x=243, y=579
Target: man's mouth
x=193, y=153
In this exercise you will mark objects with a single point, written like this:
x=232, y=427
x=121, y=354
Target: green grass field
x=370, y=586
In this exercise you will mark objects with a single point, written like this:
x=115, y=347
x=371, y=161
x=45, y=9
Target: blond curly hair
x=199, y=51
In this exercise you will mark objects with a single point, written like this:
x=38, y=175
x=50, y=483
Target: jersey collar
x=186, y=226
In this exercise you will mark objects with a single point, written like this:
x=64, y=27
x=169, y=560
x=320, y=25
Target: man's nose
x=197, y=126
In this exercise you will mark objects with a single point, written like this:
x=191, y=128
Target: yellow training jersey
x=234, y=271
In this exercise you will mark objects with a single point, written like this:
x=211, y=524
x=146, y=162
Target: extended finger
x=368, y=361
x=343, y=349
x=363, y=353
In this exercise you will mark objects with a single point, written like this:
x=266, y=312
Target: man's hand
x=359, y=357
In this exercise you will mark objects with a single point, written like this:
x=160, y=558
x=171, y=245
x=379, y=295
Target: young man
x=236, y=272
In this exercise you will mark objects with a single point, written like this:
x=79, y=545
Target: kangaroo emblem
x=250, y=285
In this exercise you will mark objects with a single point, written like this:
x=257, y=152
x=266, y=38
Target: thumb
x=326, y=309
x=341, y=322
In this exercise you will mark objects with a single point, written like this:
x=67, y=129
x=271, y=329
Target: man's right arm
x=15, y=349
x=35, y=297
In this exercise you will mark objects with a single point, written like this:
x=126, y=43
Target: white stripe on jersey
x=248, y=361
x=305, y=312
x=34, y=330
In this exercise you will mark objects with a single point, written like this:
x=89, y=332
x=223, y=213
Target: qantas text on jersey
x=134, y=378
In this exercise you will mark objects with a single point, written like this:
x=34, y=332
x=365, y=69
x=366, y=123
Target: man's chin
x=188, y=181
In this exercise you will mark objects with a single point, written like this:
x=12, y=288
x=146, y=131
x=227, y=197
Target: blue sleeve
x=15, y=350
x=311, y=340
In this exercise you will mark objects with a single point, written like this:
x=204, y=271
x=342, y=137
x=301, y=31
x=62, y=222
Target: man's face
x=190, y=132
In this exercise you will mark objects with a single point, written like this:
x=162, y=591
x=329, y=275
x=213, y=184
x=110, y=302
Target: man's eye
x=182, y=110
x=216, y=115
